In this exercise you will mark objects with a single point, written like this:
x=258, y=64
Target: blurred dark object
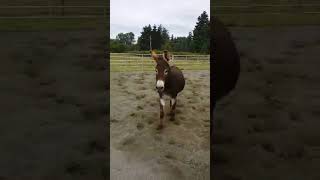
x=224, y=59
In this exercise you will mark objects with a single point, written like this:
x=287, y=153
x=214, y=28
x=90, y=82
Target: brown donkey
x=169, y=81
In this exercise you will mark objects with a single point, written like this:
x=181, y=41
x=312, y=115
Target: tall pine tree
x=201, y=34
x=159, y=37
x=144, y=39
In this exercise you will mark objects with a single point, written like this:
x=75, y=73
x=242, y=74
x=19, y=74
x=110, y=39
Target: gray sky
x=178, y=16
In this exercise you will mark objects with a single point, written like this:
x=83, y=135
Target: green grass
x=151, y=69
x=280, y=13
x=158, y=51
x=264, y=20
x=51, y=24
x=55, y=2
x=246, y=2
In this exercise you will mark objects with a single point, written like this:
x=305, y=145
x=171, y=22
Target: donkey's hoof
x=160, y=126
x=172, y=116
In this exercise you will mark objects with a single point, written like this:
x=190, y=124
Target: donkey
x=169, y=81
x=225, y=66
x=225, y=71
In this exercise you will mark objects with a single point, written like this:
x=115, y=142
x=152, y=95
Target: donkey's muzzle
x=160, y=85
x=160, y=89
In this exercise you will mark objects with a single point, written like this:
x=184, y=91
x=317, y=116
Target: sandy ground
x=268, y=128
x=53, y=105
x=138, y=150
x=53, y=112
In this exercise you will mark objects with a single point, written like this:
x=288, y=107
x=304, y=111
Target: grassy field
x=132, y=63
x=267, y=13
x=264, y=20
x=242, y=2
x=48, y=24
x=157, y=51
x=86, y=15
x=41, y=2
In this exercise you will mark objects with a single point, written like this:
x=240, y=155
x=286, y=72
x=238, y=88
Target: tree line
x=197, y=41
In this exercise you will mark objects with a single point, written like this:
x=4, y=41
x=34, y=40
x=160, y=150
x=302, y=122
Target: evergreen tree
x=159, y=37
x=180, y=44
x=190, y=42
x=144, y=39
x=156, y=38
x=201, y=34
x=164, y=35
x=196, y=41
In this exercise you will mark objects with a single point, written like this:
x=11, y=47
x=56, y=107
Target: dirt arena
x=138, y=149
x=268, y=128
x=53, y=105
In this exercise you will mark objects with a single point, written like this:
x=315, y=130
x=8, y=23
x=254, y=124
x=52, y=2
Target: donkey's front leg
x=173, y=102
x=162, y=103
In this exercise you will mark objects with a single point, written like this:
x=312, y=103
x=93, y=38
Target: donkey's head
x=162, y=69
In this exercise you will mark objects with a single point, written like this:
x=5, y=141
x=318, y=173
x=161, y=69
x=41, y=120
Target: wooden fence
x=303, y=8
x=144, y=62
x=27, y=12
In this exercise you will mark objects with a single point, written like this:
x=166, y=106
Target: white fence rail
x=178, y=57
x=265, y=5
x=51, y=11
x=296, y=8
x=61, y=11
x=144, y=62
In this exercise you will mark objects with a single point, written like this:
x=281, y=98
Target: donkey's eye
x=156, y=70
x=166, y=71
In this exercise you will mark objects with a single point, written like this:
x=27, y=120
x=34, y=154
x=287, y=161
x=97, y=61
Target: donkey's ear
x=154, y=55
x=166, y=55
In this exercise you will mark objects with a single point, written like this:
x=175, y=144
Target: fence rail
x=91, y=11
x=174, y=57
x=264, y=5
x=53, y=11
x=143, y=62
x=303, y=8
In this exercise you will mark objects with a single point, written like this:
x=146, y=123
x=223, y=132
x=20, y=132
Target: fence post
x=173, y=62
x=127, y=65
x=142, y=63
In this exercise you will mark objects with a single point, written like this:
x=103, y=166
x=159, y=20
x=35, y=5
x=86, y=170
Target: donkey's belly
x=177, y=79
x=175, y=88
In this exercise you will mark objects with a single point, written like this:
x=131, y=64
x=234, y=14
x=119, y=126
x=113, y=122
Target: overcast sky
x=178, y=16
